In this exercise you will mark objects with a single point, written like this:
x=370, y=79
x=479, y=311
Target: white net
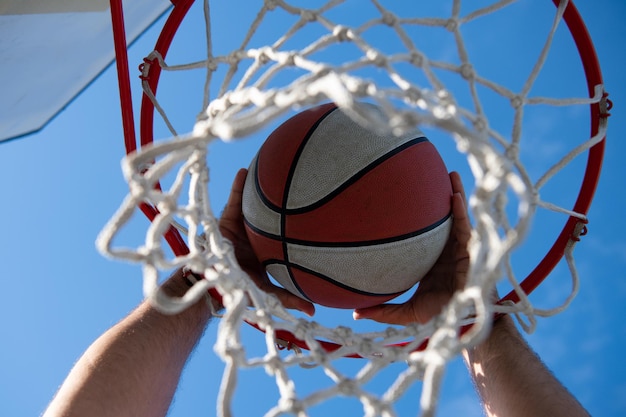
x=435, y=66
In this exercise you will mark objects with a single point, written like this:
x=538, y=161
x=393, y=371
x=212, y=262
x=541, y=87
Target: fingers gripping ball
x=343, y=216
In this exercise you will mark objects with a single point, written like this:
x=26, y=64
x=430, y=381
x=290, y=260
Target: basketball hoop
x=247, y=104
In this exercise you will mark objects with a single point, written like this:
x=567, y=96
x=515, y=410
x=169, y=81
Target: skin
x=133, y=369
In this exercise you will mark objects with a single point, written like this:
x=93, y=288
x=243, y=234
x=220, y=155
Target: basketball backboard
x=51, y=50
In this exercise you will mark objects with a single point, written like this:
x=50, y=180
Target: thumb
x=230, y=221
x=233, y=205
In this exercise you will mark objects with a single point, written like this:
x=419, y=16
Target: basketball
x=344, y=216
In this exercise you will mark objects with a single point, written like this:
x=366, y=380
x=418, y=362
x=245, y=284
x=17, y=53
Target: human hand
x=447, y=275
x=232, y=228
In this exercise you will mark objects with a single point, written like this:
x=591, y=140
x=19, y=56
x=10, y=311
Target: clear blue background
x=61, y=185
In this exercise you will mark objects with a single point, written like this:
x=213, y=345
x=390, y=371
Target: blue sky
x=62, y=184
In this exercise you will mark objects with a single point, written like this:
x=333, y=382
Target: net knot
x=236, y=353
x=211, y=64
x=272, y=364
x=452, y=24
x=361, y=89
x=389, y=19
x=305, y=327
x=144, y=67
x=167, y=205
x=262, y=319
x=605, y=105
x=344, y=334
x=413, y=94
x=264, y=55
x=517, y=102
x=308, y=15
x=288, y=59
x=376, y=58
x=417, y=59
x=391, y=332
x=512, y=151
x=579, y=230
x=347, y=387
x=234, y=57
x=480, y=124
x=342, y=33
x=293, y=406
x=271, y=4
x=467, y=71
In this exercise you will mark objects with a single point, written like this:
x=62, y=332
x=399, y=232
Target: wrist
x=503, y=332
x=190, y=279
x=177, y=285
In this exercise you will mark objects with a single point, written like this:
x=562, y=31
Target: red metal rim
x=181, y=7
x=591, y=66
x=593, y=75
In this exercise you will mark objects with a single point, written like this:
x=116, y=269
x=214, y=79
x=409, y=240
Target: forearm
x=133, y=369
x=513, y=382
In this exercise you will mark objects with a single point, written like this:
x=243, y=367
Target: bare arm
x=133, y=369
x=512, y=381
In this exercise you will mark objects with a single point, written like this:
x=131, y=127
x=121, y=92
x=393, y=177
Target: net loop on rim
x=248, y=99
